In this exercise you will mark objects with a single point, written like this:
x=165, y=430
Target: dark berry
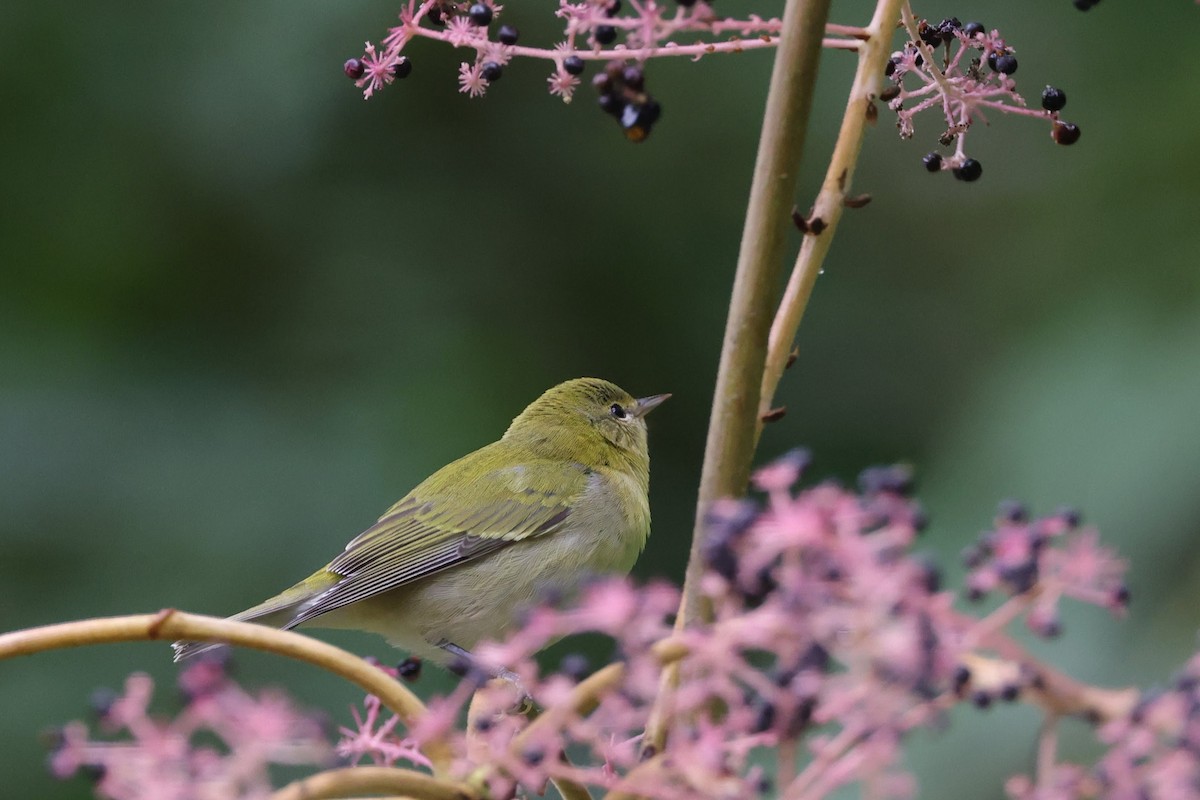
x=574, y=666
x=508, y=34
x=409, y=669
x=686, y=3
x=651, y=111
x=1053, y=99
x=1084, y=5
x=947, y=28
x=1011, y=510
x=613, y=9
x=889, y=69
x=533, y=756
x=354, y=68
x=1010, y=692
x=634, y=77
x=991, y=62
x=436, y=17
x=1072, y=517
x=1006, y=64
x=962, y=676
x=402, y=68
x=973, y=29
x=574, y=66
x=481, y=14
x=930, y=35
x=93, y=772
x=611, y=104
x=636, y=120
x=1121, y=595
x=491, y=71
x=929, y=577
x=981, y=699
x=101, y=702
x=605, y=34
x=889, y=94
x=1065, y=132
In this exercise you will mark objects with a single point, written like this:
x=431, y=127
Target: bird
x=561, y=497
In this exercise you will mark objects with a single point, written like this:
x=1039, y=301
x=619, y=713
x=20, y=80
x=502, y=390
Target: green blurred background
x=243, y=311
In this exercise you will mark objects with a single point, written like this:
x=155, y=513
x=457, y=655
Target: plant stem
x=732, y=429
x=169, y=624
x=732, y=425
x=353, y=781
x=872, y=55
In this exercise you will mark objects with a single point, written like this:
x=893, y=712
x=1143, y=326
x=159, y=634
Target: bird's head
x=585, y=420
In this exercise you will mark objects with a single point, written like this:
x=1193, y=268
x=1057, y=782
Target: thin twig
x=872, y=55
x=349, y=781
x=1047, y=751
x=169, y=625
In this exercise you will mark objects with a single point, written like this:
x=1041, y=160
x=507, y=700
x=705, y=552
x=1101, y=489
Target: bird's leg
x=467, y=663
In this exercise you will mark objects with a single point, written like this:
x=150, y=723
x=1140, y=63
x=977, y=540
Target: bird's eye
x=617, y=411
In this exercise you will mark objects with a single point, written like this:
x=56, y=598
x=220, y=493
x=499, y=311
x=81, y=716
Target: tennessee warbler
x=561, y=496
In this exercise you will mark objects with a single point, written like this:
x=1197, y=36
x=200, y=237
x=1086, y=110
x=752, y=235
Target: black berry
x=508, y=34
x=634, y=78
x=611, y=104
x=889, y=69
x=574, y=66
x=605, y=34
x=1006, y=64
x=970, y=170
x=1065, y=132
x=402, y=68
x=1053, y=99
x=613, y=9
x=481, y=14
x=354, y=69
x=574, y=666
x=409, y=669
x=932, y=162
x=436, y=17
x=972, y=29
x=1012, y=511
x=491, y=71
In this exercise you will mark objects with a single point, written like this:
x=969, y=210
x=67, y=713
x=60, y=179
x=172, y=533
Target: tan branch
x=169, y=625
x=823, y=220
x=350, y=781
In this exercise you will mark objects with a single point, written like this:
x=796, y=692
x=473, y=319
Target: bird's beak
x=647, y=404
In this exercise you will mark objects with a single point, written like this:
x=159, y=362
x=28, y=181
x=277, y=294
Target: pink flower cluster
x=152, y=758
x=827, y=641
x=959, y=71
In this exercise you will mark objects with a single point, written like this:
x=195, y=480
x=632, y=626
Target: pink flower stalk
x=829, y=642
x=144, y=757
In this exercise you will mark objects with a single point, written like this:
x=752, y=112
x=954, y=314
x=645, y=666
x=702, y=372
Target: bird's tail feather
x=281, y=611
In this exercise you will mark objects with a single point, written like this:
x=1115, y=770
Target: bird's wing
x=448, y=521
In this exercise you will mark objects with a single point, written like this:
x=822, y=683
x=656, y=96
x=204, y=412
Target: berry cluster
x=623, y=95
x=961, y=70
x=594, y=30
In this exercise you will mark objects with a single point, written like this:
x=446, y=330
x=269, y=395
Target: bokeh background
x=242, y=311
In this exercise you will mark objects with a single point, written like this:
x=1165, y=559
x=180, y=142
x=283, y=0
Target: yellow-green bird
x=561, y=496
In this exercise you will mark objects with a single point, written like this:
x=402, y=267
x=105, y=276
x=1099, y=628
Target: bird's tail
x=281, y=611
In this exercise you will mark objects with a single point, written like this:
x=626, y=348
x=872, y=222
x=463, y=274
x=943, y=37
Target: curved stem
x=350, y=781
x=169, y=625
x=872, y=55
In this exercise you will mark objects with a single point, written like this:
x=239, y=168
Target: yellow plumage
x=561, y=496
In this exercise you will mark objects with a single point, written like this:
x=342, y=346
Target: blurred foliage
x=244, y=311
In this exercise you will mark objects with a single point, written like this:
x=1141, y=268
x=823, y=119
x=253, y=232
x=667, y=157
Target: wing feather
x=445, y=522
